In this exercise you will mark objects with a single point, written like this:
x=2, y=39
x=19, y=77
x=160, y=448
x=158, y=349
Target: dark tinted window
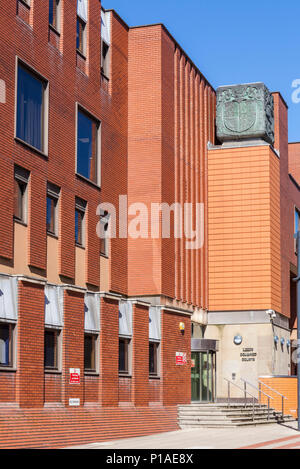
x=87, y=147
x=30, y=108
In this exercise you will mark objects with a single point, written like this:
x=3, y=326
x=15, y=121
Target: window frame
x=98, y=126
x=44, y=111
x=105, y=220
x=156, y=373
x=12, y=345
x=296, y=211
x=53, y=193
x=21, y=179
x=105, y=61
x=81, y=208
x=95, y=338
x=57, y=15
x=128, y=353
x=58, y=341
x=83, y=29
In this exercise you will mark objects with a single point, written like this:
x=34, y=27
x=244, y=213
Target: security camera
x=271, y=313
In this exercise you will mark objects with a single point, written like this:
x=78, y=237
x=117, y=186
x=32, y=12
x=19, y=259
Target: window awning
x=8, y=298
x=125, y=318
x=105, y=26
x=82, y=9
x=92, y=312
x=154, y=323
x=54, y=306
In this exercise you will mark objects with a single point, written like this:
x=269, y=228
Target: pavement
x=271, y=436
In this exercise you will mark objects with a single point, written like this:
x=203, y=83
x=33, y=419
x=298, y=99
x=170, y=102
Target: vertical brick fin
x=93, y=247
x=144, y=152
x=109, y=352
x=284, y=205
x=176, y=379
x=115, y=145
x=6, y=208
x=37, y=235
x=168, y=164
x=140, y=356
x=73, y=344
x=67, y=235
x=30, y=345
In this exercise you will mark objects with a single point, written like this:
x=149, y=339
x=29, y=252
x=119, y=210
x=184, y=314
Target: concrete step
x=229, y=424
x=220, y=415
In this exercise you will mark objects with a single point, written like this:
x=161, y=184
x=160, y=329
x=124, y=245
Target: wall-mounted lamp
x=288, y=343
x=182, y=327
x=238, y=339
x=282, y=341
x=276, y=339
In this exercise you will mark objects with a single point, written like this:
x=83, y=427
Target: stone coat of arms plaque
x=245, y=112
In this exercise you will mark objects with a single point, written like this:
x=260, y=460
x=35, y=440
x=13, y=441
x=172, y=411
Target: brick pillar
x=109, y=352
x=140, y=355
x=175, y=379
x=30, y=345
x=73, y=344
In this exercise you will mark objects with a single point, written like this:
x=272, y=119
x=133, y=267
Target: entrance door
x=203, y=374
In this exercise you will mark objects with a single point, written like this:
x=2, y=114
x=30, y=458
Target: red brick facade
x=157, y=115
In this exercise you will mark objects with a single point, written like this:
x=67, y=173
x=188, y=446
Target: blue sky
x=232, y=41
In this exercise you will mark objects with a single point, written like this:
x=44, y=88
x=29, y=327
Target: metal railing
x=260, y=392
x=245, y=392
x=261, y=383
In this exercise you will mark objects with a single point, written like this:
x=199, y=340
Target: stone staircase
x=221, y=416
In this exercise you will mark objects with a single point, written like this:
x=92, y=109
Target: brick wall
x=30, y=346
x=175, y=379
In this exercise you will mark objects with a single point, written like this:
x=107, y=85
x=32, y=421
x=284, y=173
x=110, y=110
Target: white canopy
x=105, y=26
x=125, y=318
x=82, y=9
x=54, y=300
x=8, y=298
x=92, y=312
x=154, y=323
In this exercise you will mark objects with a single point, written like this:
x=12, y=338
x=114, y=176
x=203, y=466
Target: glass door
x=203, y=375
x=195, y=373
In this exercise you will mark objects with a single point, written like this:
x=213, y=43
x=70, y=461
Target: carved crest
x=239, y=116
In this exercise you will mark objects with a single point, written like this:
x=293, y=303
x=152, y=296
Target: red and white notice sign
x=181, y=358
x=74, y=375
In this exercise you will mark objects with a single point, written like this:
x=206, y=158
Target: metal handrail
x=277, y=392
x=274, y=390
x=241, y=389
x=257, y=389
x=260, y=392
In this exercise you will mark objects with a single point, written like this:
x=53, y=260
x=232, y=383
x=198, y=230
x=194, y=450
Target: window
x=80, y=208
x=153, y=358
x=82, y=14
x=31, y=115
x=54, y=14
x=297, y=227
x=51, y=349
x=81, y=36
x=124, y=346
x=20, y=194
x=6, y=344
x=105, y=59
x=87, y=146
x=104, y=234
x=52, y=208
x=105, y=43
x=90, y=346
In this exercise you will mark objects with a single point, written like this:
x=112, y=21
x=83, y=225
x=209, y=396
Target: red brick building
x=96, y=333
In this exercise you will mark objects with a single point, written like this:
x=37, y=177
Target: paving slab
x=254, y=437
